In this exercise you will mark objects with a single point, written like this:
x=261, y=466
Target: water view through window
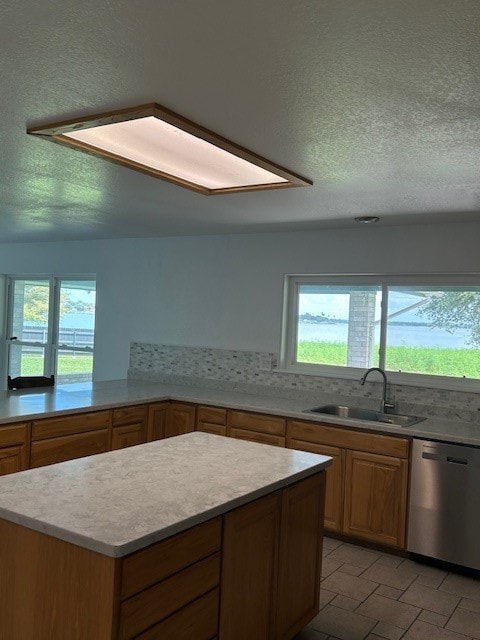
x=427, y=330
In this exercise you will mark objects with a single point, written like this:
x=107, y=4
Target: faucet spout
x=385, y=405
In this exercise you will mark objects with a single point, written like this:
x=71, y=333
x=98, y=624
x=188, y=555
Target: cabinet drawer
x=197, y=620
x=212, y=415
x=68, y=447
x=13, y=434
x=144, y=568
x=13, y=459
x=129, y=435
x=348, y=438
x=216, y=429
x=128, y=415
x=67, y=425
x=257, y=422
x=254, y=436
x=162, y=600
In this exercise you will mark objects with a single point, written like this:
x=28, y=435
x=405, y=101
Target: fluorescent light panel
x=157, y=141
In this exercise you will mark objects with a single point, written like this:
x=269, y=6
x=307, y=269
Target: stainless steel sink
x=366, y=414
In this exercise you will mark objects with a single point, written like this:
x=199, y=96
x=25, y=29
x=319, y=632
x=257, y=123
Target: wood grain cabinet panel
x=257, y=422
x=195, y=621
x=181, y=419
x=13, y=448
x=157, y=420
x=212, y=420
x=70, y=424
x=249, y=570
x=334, y=481
x=129, y=426
x=300, y=556
x=376, y=498
x=64, y=448
x=255, y=436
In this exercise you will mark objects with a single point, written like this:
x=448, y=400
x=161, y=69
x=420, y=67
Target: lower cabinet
x=129, y=426
x=367, y=483
x=68, y=437
x=257, y=427
x=271, y=564
x=13, y=448
x=167, y=419
x=375, y=498
x=212, y=420
x=251, y=574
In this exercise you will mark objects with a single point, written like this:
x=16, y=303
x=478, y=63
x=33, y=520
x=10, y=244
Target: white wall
x=226, y=291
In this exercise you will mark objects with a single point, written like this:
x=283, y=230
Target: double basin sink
x=356, y=413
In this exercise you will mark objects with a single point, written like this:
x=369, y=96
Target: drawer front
x=155, y=604
x=14, y=434
x=129, y=415
x=198, y=620
x=67, y=425
x=212, y=415
x=144, y=568
x=13, y=459
x=68, y=447
x=129, y=435
x=257, y=422
x=216, y=429
x=348, y=438
x=253, y=436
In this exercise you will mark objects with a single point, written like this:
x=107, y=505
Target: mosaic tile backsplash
x=256, y=372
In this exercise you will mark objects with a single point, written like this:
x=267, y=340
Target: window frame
x=52, y=345
x=292, y=282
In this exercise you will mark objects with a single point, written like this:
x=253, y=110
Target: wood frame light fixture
x=160, y=143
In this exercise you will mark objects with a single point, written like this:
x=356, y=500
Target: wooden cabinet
x=257, y=427
x=181, y=419
x=161, y=584
x=67, y=437
x=212, y=420
x=376, y=498
x=334, y=481
x=167, y=419
x=157, y=420
x=14, y=447
x=366, y=494
x=129, y=426
x=271, y=563
x=253, y=573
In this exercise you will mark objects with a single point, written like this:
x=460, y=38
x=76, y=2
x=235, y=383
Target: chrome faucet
x=385, y=405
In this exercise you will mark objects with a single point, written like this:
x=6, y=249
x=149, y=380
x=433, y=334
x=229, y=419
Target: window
x=50, y=327
x=420, y=326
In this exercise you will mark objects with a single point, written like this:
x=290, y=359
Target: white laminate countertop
x=75, y=398
x=118, y=502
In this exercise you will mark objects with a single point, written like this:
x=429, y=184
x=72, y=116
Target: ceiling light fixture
x=156, y=141
x=367, y=219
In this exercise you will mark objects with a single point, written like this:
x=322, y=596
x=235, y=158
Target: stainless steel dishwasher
x=444, y=514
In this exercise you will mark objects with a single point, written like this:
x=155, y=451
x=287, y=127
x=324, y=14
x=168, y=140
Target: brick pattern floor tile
x=371, y=595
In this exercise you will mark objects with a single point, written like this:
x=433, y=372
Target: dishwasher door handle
x=457, y=460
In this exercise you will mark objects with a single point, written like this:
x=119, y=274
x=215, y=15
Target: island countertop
x=118, y=502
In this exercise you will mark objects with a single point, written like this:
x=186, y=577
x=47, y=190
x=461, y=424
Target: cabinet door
x=13, y=448
x=376, y=498
x=300, y=556
x=128, y=435
x=334, y=481
x=157, y=420
x=181, y=419
x=249, y=570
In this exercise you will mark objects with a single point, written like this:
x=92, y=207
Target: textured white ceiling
x=376, y=101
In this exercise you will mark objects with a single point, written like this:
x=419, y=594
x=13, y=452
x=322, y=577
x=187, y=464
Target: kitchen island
x=198, y=536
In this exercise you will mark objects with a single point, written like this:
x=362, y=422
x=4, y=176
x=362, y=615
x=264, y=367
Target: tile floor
x=371, y=595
